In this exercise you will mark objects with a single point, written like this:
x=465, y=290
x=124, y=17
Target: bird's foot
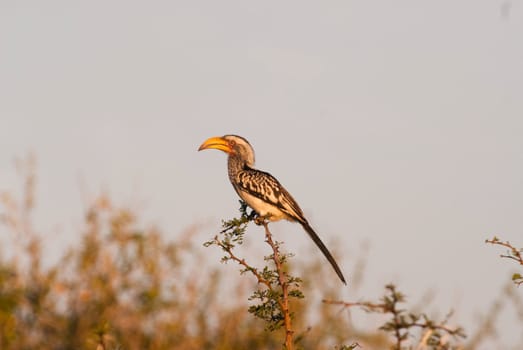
x=260, y=220
x=252, y=215
x=257, y=218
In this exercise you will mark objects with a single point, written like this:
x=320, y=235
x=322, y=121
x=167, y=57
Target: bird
x=261, y=191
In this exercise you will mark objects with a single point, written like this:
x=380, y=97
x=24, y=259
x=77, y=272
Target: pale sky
x=397, y=123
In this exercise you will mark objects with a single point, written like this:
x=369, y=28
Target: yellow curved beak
x=216, y=143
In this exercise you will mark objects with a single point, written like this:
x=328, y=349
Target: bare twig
x=367, y=306
x=513, y=254
x=228, y=248
x=516, y=253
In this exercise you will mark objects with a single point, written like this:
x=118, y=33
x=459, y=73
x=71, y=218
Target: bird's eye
x=232, y=143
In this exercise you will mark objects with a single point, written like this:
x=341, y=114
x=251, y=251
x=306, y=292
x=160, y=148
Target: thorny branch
x=284, y=285
x=279, y=287
x=402, y=322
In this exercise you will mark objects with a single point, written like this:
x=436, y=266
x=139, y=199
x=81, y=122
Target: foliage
x=126, y=285
x=123, y=287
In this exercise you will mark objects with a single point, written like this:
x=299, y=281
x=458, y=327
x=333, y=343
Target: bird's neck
x=236, y=165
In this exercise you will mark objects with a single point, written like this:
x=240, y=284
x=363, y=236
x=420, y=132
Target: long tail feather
x=324, y=250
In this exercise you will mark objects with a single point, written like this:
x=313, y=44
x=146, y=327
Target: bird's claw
x=260, y=220
x=252, y=215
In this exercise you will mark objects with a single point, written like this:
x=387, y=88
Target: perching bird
x=260, y=190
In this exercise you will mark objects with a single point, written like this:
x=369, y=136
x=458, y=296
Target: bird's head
x=233, y=145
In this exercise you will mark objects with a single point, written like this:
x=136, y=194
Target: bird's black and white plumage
x=260, y=190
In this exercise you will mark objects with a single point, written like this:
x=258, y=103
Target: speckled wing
x=268, y=190
x=265, y=187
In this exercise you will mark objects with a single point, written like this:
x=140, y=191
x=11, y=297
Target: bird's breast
x=263, y=208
